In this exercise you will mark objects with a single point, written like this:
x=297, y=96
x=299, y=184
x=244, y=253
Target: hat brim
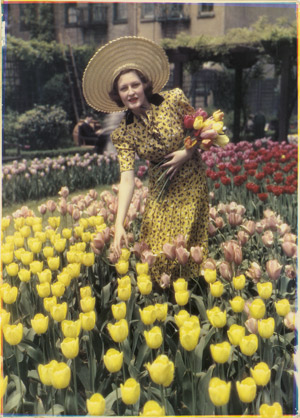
x=126, y=52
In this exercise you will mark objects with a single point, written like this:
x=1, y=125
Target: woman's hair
x=148, y=87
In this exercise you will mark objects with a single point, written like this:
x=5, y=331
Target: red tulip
x=188, y=121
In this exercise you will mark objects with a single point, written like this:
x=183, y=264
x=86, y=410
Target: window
x=206, y=10
x=148, y=11
x=172, y=11
x=98, y=13
x=71, y=15
x=120, y=13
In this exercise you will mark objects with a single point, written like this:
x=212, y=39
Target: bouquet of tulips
x=203, y=131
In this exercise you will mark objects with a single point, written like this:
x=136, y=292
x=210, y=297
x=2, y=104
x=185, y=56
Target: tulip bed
x=85, y=333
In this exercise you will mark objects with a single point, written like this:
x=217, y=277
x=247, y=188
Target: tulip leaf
x=13, y=402
x=111, y=398
x=200, y=305
x=38, y=408
x=70, y=403
x=57, y=410
x=204, y=341
x=33, y=351
x=179, y=366
x=142, y=356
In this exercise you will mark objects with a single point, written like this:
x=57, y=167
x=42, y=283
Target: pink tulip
x=213, y=213
x=139, y=247
x=259, y=227
x=234, y=219
x=249, y=227
x=268, y=239
x=209, y=263
x=243, y=237
x=138, y=183
x=288, y=237
x=222, y=208
x=169, y=250
x=180, y=241
x=226, y=271
x=273, y=269
x=197, y=254
x=252, y=325
x=283, y=229
x=81, y=205
x=240, y=210
x=98, y=241
x=254, y=272
x=211, y=229
x=64, y=192
x=289, y=321
x=113, y=258
x=115, y=188
x=165, y=281
x=231, y=207
x=289, y=249
x=103, y=212
x=219, y=221
x=76, y=214
x=148, y=257
x=290, y=271
x=51, y=205
x=92, y=210
x=62, y=207
x=42, y=209
x=182, y=255
x=93, y=193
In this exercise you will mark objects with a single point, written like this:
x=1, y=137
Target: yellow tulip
x=36, y=267
x=42, y=236
x=66, y=233
x=5, y=222
x=220, y=352
x=9, y=295
x=64, y=278
x=5, y=317
x=13, y=334
x=219, y=391
x=80, y=246
x=59, y=311
x=189, y=337
x=37, y=228
x=53, y=263
x=118, y=331
x=222, y=140
x=153, y=409
x=61, y=376
x=261, y=374
x=218, y=126
x=180, y=284
x=96, y=404
x=282, y=307
x=154, y=337
x=25, y=231
x=271, y=411
x=144, y=284
x=87, y=304
x=198, y=123
x=119, y=310
x=84, y=223
x=130, y=391
x=148, y=315
x=161, y=370
x=48, y=252
x=27, y=257
x=18, y=253
x=257, y=308
x=19, y=222
x=239, y=282
x=216, y=288
x=235, y=334
x=124, y=288
x=24, y=275
x=49, y=303
x=216, y=317
x=266, y=327
x=7, y=257
x=122, y=267
x=142, y=268
x=12, y=269
x=210, y=275
x=19, y=241
x=125, y=254
x=60, y=245
x=70, y=347
x=54, y=221
x=182, y=297
x=85, y=291
x=73, y=269
x=88, y=320
x=45, y=276
x=113, y=360
x=8, y=246
x=45, y=372
x=40, y=323
x=88, y=259
x=43, y=289
x=73, y=256
x=35, y=245
x=58, y=289
x=182, y=316
x=3, y=385
x=86, y=236
x=71, y=329
x=265, y=289
x=237, y=304
x=246, y=389
x=249, y=344
x=161, y=310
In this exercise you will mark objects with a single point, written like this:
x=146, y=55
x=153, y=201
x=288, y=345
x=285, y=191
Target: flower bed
x=87, y=333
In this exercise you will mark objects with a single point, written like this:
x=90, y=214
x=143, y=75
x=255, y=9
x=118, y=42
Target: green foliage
x=9, y=128
x=40, y=20
x=43, y=127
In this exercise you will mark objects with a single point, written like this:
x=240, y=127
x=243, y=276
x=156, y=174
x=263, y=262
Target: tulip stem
x=163, y=398
x=20, y=380
x=75, y=386
x=117, y=398
x=52, y=397
x=92, y=376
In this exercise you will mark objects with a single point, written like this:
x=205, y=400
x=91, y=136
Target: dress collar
x=156, y=99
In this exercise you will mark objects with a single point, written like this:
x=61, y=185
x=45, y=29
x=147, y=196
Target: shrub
x=43, y=127
x=9, y=128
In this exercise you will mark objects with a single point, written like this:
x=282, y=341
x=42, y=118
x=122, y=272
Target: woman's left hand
x=177, y=158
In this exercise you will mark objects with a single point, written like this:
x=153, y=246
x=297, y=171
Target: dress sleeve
x=125, y=150
x=181, y=102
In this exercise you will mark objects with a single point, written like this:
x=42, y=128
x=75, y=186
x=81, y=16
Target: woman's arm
x=177, y=158
x=126, y=190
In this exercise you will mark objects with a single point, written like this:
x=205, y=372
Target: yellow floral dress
x=184, y=208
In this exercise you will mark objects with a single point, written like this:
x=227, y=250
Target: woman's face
x=131, y=92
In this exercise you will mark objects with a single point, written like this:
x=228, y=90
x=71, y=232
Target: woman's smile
x=131, y=92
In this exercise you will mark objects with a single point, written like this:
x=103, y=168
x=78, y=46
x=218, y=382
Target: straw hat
x=129, y=52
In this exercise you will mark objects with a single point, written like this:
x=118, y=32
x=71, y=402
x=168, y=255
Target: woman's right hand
x=119, y=238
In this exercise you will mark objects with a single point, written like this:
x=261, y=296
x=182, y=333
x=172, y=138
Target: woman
x=128, y=73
